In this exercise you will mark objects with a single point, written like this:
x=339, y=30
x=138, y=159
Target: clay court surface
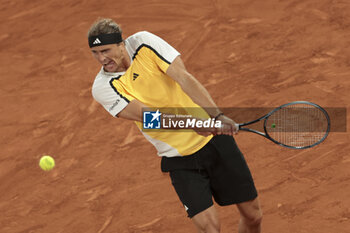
x=108, y=178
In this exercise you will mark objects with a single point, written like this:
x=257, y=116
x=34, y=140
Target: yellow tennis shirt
x=146, y=80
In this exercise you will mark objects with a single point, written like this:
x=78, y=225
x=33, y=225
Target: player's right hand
x=228, y=126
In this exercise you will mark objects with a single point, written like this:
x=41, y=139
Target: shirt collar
x=111, y=73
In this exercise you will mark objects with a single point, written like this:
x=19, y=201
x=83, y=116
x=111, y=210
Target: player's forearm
x=192, y=87
x=197, y=92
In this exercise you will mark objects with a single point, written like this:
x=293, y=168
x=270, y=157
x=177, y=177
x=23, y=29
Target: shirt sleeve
x=108, y=95
x=165, y=53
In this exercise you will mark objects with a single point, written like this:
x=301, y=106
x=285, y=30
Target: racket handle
x=238, y=126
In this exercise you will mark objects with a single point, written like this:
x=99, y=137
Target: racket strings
x=298, y=125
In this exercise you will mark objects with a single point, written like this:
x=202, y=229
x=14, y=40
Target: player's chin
x=110, y=67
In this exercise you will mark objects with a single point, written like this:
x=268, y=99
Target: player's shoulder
x=142, y=38
x=102, y=83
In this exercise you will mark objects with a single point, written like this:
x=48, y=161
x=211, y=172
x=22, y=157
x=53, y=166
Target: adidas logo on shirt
x=97, y=41
x=135, y=76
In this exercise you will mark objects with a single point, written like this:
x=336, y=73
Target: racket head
x=297, y=125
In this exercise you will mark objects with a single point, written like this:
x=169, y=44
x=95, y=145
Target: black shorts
x=217, y=170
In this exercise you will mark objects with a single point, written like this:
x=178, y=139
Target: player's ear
x=121, y=43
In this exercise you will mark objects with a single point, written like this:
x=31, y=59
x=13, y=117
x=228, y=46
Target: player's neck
x=125, y=64
x=126, y=61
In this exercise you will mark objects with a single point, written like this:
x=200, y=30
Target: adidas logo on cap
x=97, y=41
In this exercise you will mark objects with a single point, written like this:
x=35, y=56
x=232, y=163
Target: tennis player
x=145, y=71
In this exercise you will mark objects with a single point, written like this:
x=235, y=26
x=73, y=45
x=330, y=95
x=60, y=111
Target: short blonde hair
x=104, y=26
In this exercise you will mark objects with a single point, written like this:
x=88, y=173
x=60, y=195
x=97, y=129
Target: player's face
x=111, y=56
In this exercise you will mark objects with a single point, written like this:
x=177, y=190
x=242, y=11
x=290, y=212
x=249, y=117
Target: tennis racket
x=297, y=125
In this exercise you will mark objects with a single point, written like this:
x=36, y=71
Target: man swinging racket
x=144, y=71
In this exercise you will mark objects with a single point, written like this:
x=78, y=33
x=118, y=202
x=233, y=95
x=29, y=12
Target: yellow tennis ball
x=47, y=163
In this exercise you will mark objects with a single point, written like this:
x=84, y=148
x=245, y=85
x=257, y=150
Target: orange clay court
x=107, y=176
